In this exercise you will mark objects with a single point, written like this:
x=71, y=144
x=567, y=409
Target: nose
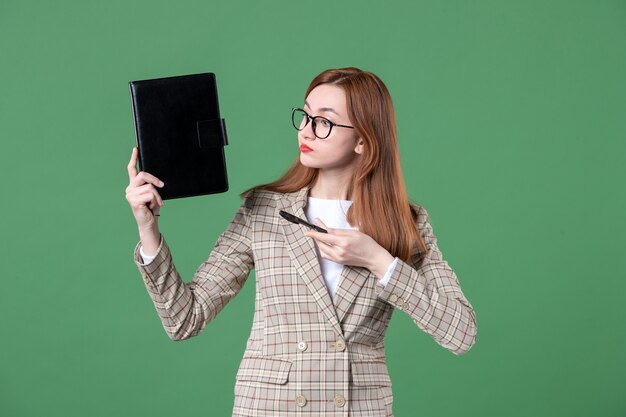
x=307, y=133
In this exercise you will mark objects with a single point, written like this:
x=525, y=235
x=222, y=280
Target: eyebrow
x=330, y=109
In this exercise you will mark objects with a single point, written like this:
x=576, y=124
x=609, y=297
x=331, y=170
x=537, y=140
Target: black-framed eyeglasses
x=321, y=125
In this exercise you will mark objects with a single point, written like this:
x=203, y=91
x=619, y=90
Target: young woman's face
x=341, y=148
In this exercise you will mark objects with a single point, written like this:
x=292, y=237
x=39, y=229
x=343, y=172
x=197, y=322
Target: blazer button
x=300, y=400
x=401, y=303
x=339, y=401
x=302, y=346
x=393, y=298
x=340, y=345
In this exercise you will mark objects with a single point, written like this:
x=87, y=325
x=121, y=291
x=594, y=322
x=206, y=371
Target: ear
x=359, y=146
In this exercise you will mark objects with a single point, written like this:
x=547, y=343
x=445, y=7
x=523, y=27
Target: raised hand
x=142, y=195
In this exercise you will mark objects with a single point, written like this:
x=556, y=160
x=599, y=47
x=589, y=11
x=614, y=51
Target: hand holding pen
x=345, y=246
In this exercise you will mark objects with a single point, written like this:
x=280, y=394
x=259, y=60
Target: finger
x=132, y=165
x=158, y=201
x=327, y=252
x=149, y=189
x=146, y=178
x=146, y=199
x=324, y=238
x=156, y=194
x=152, y=202
x=319, y=222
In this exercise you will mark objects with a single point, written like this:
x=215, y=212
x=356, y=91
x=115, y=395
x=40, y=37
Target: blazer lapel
x=304, y=257
x=351, y=282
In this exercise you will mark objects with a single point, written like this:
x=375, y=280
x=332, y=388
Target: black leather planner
x=180, y=134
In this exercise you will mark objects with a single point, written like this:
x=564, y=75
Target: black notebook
x=180, y=134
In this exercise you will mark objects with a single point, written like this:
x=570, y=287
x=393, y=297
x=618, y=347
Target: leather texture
x=180, y=134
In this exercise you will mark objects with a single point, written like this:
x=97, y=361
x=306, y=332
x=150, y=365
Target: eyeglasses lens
x=299, y=119
x=321, y=126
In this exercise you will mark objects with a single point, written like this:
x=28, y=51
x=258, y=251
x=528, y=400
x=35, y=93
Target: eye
x=325, y=122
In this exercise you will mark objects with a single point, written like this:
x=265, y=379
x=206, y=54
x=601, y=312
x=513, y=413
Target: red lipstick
x=304, y=148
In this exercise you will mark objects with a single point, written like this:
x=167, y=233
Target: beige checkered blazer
x=308, y=354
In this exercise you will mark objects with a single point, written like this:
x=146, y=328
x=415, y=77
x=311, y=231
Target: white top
x=333, y=214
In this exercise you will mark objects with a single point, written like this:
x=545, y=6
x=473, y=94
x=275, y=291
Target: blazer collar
x=299, y=200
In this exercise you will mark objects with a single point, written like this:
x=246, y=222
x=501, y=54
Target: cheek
x=346, y=150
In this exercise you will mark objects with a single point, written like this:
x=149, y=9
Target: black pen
x=298, y=220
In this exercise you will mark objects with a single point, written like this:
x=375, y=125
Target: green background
x=512, y=129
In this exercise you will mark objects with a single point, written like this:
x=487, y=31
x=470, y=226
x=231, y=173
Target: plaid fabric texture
x=307, y=353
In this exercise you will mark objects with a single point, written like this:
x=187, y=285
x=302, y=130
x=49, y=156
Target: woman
x=323, y=300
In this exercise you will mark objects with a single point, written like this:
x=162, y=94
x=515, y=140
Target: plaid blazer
x=308, y=353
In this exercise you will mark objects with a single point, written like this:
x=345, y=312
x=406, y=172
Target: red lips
x=304, y=148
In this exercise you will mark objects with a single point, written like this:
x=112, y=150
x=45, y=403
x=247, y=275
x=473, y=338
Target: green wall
x=512, y=124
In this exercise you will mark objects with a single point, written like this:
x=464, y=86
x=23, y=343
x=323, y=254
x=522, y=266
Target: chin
x=307, y=162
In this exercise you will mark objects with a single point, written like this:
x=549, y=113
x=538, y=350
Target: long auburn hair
x=380, y=205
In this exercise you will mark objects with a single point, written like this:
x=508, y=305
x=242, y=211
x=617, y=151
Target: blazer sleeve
x=186, y=308
x=427, y=289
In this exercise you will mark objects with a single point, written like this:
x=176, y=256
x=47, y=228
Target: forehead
x=326, y=96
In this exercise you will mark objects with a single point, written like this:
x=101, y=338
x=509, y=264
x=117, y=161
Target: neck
x=331, y=185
